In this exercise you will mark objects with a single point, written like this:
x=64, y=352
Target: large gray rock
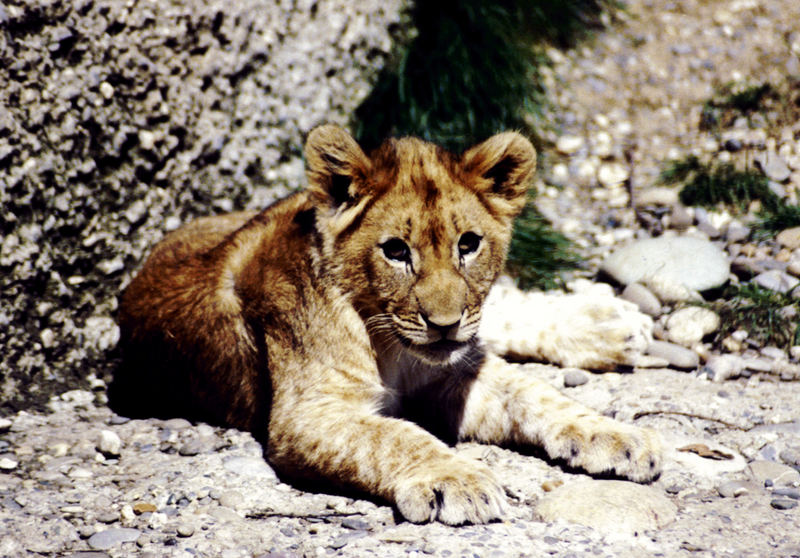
x=609, y=506
x=118, y=121
x=693, y=263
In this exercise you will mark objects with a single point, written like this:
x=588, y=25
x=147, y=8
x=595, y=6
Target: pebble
x=776, y=280
x=356, y=524
x=690, y=262
x=681, y=217
x=677, y=356
x=248, y=465
x=790, y=238
x=724, y=367
x=764, y=472
x=773, y=166
x=689, y=325
x=110, y=538
x=185, y=530
x=575, y=377
x=790, y=456
x=567, y=145
x=109, y=443
x=783, y=504
x=5, y=425
x=737, y=232
x=657, y=196
x=144, y=507
x=732, y=489
x=612, y=174
x=193, y=447
x=792, y=493
x=642, y=297
x=231, y=499
x=7, y=464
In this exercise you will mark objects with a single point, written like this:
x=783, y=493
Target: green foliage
x=472, y=69
x=538, y=254
x=708, y=186
x=734, y=100
x=760, y=312
x=772, y=221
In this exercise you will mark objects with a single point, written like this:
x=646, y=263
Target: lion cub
x=340, y=325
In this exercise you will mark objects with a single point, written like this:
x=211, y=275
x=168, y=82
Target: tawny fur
x=340, y=325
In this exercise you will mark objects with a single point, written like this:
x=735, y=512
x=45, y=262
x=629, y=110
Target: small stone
x=110, y=538
x=247, y=465
x=783, y=504
x=109, y=443
x=107, y=517
x=773, y=166
x=792, y=493
x=5, y=425
x=681, y=217
x=231, y=499
x=732, y=489
x=143, y=507
x=568, y=145
x=575, y=377
x=776, y=280
x=689, y=325
x=185, y=530
x=612, y=174
x=355, y=524
x=7, y=464
x=790, y=456
x=193, y=447
x=642, y=297
x=657, y=196
x=106, y=90
x=737, y=232
x=677, y=356
x=775, y=473
x=724, y=367
x=790, y=238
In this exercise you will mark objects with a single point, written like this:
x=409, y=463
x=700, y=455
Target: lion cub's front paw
x=454, y=491
x=600, y=444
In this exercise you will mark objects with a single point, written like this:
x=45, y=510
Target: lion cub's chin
x=440, y=353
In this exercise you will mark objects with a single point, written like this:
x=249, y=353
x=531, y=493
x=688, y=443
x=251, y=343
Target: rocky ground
x=82, y=481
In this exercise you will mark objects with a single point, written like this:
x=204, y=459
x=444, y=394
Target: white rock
x=677, y=356
x=610, y=506
x=612, y=174
x=7, y=464
x=689, y=325
x=693, y=263
x=642, y=297
x=657, y=196
x=109, y=443
x=567, y=145
x=724, y=367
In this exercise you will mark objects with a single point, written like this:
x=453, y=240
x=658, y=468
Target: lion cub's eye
x=397, y=250
x=468, y=243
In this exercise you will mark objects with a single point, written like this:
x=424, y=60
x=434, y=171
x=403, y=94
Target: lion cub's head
x=416, y=235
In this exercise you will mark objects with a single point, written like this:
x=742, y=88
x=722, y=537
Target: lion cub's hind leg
x=507, y=405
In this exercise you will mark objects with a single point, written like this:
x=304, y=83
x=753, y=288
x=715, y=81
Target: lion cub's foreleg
x=333, y=433
x=507, y=405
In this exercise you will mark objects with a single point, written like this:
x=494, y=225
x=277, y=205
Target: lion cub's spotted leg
x=337, y=437
x=508, y=405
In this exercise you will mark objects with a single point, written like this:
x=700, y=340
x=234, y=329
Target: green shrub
x=758, y=311
x=538, y=254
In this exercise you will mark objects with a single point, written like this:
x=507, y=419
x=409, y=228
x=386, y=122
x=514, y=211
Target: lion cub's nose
x=442, y=325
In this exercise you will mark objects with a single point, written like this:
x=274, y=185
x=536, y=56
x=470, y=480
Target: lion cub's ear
x=500, y=170
x=336, y=165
